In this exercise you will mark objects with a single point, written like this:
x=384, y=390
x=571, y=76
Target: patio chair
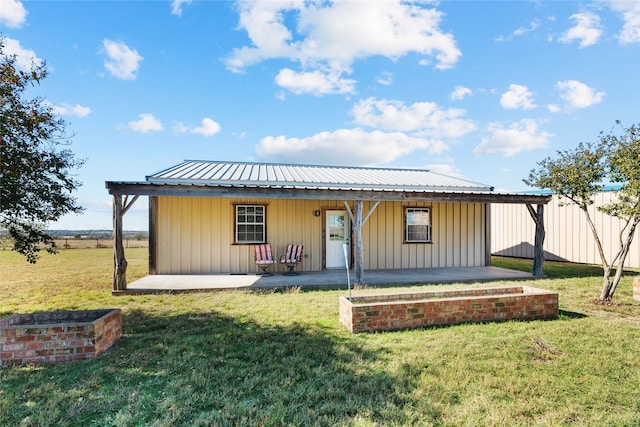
x=291, y=258
x=264, y=258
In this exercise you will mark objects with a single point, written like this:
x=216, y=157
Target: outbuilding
x=205, y=217
x=569, y=235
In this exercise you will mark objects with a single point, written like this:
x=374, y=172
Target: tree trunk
x=622, y=257
x=606, y=279
x=538, y=256
x=119, y=261
x=606, y=282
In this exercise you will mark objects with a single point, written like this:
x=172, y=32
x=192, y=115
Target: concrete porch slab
x=331, y=279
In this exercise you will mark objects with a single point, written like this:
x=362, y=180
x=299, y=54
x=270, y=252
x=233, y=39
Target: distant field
x=263, y=358
x=6, y=245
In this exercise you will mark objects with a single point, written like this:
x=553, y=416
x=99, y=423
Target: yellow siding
x=568, y=236
x=196, y=235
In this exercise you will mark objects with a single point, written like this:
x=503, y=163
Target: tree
x=35, y=167
x=576, y=175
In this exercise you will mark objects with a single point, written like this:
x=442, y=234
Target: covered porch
x=410, y=217
x=329, y=279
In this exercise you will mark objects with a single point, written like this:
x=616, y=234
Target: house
x=569, y=237
x=206, y=216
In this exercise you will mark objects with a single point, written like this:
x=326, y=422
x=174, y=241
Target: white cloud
x=71, y=110
x=630, y=11
x=24, y=57
x=460, y=92
x=209, y=127
x=420, y=118
x=315, y=82
x=176, y=6
x=517, y=97
x=578, y=94
x=553, y=108
x=523, y=30
x=12, y=13
x=519, y=31
x=519, y=136
x=385, y=78
x=122, y=62
x=444, y=168
x=147, y=123
x=329, y=36
x=344, y=146
x=587, y=29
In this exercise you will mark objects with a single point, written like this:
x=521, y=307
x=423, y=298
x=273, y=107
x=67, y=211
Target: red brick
x=10, y=335
x=12, y=347
x=34, y=346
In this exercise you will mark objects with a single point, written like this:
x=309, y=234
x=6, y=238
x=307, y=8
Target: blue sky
x=477, y=89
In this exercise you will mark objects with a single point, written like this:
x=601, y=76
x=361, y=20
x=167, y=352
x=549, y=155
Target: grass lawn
x=242, y=358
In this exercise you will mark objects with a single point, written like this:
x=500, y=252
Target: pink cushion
x=263, y=254
x=293, y=254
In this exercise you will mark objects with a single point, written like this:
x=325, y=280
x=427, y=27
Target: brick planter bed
x=388, y=312
x=58, y=336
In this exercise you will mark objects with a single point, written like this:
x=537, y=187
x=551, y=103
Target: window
x=417, y=225
x=250, y=224
x=336, y=227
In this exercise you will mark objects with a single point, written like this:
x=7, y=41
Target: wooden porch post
x=538, y=251
x=119, y=261
x=357, y=222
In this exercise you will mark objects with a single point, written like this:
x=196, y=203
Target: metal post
x=346, y=264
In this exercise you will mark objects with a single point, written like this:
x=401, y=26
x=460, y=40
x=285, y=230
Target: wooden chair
x=291, y=258
x=264, y=258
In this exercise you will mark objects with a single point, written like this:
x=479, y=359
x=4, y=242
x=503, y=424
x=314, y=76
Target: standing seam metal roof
x=243, y=174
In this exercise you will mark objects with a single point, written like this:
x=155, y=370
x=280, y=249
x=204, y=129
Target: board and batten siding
x=195, y=235
x=568, y=236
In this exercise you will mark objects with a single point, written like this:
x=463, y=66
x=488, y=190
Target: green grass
x=242, y=358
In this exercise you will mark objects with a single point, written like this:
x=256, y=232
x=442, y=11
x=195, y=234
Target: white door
x=337, y=232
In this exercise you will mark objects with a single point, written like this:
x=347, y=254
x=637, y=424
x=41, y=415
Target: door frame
x=324, y=235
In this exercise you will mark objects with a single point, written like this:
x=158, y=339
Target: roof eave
x=283, y=192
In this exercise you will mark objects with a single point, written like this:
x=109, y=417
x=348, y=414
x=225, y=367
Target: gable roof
x=272, y=175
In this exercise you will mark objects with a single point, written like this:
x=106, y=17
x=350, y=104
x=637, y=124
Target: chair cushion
x=293, y=254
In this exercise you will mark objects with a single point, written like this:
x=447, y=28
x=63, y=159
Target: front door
x=337, y=232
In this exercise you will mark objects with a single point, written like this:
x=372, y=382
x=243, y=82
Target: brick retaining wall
x=369, y=313
x=58, y=336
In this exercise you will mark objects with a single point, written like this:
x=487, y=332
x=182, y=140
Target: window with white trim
x=250, y=224
x=417, y=228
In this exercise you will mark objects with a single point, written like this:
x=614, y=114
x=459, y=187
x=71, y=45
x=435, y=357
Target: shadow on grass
x=555, y=269
x=209, y=369
x=564, y=314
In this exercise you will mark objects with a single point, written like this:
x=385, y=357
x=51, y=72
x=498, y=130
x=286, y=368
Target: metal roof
x=272, y=175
